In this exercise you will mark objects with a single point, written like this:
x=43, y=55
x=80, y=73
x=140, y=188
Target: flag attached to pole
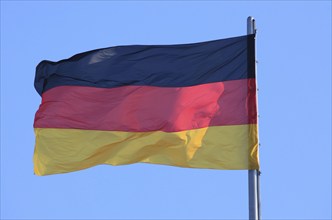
x=189, y=105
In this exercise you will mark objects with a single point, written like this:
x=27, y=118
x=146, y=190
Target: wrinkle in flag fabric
x=190, y=105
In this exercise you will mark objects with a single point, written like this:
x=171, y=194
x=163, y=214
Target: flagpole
x=253, y=175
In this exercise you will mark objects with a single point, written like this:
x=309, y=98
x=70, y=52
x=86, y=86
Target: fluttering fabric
x=188, y=105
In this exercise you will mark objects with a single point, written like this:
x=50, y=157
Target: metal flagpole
x=253, y=175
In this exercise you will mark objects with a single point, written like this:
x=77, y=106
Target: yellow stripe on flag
x=219, y=147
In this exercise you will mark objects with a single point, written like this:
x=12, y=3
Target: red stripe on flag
x=149, y=108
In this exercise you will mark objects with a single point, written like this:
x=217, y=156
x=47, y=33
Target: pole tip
x=250, y=19
x=251, y=26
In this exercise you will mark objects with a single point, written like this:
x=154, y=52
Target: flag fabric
x=186, y=105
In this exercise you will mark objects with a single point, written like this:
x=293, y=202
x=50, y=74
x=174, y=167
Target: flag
x=186, y=105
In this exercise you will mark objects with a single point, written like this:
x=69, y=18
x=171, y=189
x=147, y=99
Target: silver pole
x=253, y=175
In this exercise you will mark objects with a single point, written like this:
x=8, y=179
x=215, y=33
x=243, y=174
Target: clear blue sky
x=294, y=76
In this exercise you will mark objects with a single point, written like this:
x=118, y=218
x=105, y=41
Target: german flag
x=186, y=105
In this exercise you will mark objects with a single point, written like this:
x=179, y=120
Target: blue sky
x=294, y=77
